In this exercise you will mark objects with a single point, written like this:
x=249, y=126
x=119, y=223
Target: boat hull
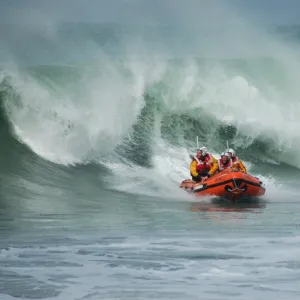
x=230, y=184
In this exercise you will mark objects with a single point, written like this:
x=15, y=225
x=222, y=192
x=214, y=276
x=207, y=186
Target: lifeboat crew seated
x=224, y=162
x=203, y=165
x=236, y=162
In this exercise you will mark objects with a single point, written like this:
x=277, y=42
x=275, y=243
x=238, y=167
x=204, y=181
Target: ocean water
x=97, y=124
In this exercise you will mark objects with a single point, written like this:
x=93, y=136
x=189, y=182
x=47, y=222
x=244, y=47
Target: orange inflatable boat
x=229, y=183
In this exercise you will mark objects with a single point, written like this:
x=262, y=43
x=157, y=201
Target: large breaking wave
x=132, y=104
x=78, y=115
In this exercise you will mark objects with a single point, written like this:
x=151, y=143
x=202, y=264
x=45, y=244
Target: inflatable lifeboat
x=229, y=184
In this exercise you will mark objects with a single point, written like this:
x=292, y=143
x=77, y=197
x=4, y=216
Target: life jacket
x=235, y=161
x=222, y=166
x=209, y=160
x=203, y=165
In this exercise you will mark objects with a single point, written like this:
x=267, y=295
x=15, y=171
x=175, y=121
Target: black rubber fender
x=227, y=188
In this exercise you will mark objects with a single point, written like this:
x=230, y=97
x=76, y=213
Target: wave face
x=131, y=104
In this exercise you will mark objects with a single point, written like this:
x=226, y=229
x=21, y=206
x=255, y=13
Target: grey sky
x=149, y=11
x=217, y=28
